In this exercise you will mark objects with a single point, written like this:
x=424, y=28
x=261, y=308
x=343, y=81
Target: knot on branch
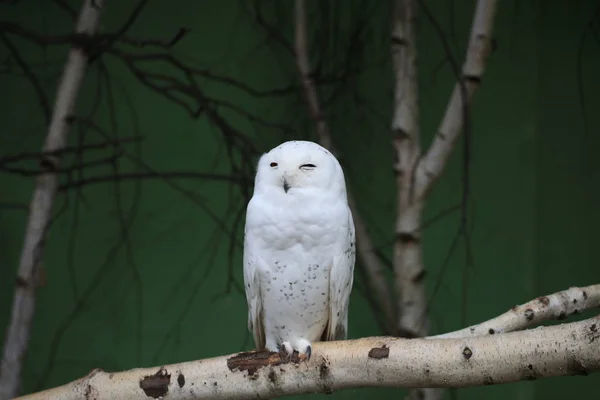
x=156, y=385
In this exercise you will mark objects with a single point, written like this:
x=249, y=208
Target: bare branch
x=136, y=176
x=37, y=86
x=367, y=362
x=17, y=335
x=433, y=162
x=555, y=306
x=43, y=155
x=374, y=269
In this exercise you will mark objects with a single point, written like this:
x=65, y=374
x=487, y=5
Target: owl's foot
x=304, y=350
x=301, y=347
x=285, y=351
x=306, y=355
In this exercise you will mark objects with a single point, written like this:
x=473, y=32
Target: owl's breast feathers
x=282, y=227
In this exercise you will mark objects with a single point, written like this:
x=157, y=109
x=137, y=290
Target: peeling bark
x=567, y=349
x=40, y=209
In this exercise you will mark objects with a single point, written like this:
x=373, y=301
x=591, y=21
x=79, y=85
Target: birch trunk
x=568, y=349
x=373, y=268
x=416, y=175
x=408, y=260
x=40, y=209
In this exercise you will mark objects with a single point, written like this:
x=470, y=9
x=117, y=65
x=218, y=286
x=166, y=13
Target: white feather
x=298, y=249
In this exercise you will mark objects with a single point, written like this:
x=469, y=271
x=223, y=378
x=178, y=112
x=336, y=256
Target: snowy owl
x=299, y=250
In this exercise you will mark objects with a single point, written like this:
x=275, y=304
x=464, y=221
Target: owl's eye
x=308, y=166
x=273, y=164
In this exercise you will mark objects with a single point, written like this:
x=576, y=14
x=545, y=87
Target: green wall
x=138, y=273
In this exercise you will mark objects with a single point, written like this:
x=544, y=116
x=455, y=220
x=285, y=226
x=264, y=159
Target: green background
x=138, y=273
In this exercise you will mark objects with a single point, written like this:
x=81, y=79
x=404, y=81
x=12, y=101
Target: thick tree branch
x=40, y=210
x=433, y=162
x=567, y=349
x=373, y=267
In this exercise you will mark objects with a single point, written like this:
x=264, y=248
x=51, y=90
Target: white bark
x=478, y=50
x=408, y=258
x=566, y=349
x=550, y=307
x=372, y=265
x=554, y=306
x=17, y=335
x=414, y=176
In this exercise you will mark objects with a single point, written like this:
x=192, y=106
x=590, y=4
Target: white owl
x=299, y=250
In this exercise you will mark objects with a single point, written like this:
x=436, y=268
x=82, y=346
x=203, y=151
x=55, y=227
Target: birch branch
x=17, y=335
x=414, y=177
x=433, y=162
x=567, y=349
x=374, y=269
x=555, y=306
x=409, y=270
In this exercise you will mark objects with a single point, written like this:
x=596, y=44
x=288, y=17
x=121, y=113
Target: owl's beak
x=286, y=185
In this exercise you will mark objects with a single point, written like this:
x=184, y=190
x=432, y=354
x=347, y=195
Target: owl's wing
x=253, y=297
x=340, y=285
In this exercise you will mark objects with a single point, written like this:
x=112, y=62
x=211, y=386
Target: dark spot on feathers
x=379, y=352
x=181, y=380
x=491, y=331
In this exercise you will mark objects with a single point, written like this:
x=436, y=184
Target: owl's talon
x=305, y=354
x=285, y=352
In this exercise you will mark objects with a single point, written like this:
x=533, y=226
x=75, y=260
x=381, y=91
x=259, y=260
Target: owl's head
x=299, y=166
